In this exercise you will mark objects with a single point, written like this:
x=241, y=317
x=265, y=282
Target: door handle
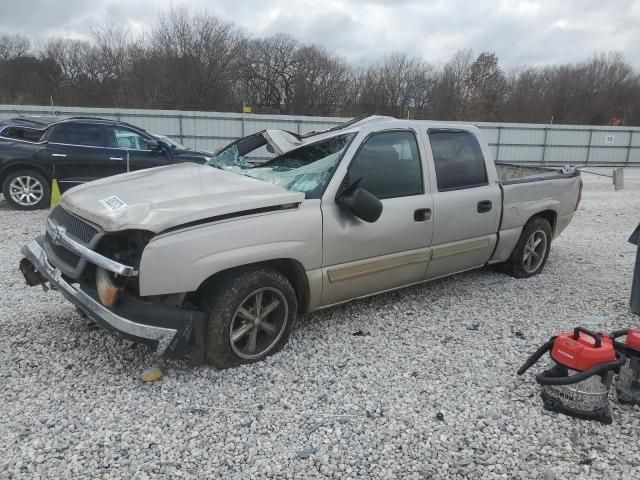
x=422, y=215
x=59, y=155
x=115, y=158
x=484, y=206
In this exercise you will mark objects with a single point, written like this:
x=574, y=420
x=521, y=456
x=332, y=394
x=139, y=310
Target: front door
x=466, y=205
x=133, y=148
x=77, y=153
x=362, y=258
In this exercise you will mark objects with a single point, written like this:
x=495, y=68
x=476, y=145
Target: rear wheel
x=251, y=314
x=532, y=250
x=26, y=190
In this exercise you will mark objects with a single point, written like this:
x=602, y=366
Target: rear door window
x=458, y=160
x=77, y=134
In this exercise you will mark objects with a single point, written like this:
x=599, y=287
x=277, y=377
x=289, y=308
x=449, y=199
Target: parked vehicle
x=34, y=150
x=218, y=260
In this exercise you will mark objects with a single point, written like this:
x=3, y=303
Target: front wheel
x=532, y=250
x=26, y=190
x=252, y=312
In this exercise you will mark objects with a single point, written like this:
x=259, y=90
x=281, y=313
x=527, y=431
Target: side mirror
x=154, y=145
x=361, y=203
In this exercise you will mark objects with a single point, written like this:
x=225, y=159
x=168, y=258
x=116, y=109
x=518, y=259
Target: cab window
x=458, y=160
x=77, y=134
x=388, y=165
x=125, y=138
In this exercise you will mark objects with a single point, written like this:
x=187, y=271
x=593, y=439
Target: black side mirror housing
x=154, y=145
x=361, y=203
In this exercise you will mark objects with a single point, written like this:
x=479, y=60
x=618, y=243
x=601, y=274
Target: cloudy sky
x=520, y=32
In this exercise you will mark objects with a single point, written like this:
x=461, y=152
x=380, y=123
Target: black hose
x=618, y=333
x=623, y=347
x=536, y=356
x=580, y=376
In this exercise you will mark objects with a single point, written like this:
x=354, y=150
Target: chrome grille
x=68, y=257
x=67, y=261
x=75, y=226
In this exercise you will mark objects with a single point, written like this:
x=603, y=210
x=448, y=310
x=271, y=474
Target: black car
x=74, y=150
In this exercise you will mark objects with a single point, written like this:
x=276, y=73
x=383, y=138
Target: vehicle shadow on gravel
x=352, y=319
x=98, y=347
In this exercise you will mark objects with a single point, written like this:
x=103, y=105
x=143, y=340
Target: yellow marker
x=55, y=193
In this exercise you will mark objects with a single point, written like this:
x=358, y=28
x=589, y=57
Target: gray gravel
x=428, y=390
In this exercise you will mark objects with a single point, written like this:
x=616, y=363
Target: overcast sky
x=520, y=32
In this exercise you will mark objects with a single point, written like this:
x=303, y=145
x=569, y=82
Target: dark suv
x=75, y=150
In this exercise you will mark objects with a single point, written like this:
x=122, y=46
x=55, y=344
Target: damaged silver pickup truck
x=216, y=261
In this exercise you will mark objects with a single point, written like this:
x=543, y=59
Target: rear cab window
x=458, y=160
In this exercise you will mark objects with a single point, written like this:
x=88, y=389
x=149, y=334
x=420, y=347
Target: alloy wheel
x=258, y=323
x=26, y=190
x=534, y=251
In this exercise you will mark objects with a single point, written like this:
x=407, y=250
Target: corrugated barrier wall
x=514, y=142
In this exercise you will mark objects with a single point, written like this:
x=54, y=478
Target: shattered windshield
x=307, y=169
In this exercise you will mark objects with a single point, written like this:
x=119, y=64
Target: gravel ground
x=425, y=389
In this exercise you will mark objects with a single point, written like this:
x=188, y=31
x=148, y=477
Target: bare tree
x=194, y=60
x=13, y=46
x=268, y=70
x=451, y=89
x=197, y=56
x=320, y=82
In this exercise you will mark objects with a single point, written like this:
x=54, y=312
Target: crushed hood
x=160, y=198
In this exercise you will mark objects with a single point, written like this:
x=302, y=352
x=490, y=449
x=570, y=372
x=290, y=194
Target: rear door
x=466, y=203
x=133, y=148
x=77, y=153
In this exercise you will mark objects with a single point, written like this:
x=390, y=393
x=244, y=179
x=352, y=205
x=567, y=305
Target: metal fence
x=514, y=142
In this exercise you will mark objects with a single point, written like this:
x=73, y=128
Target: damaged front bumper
x=168, y=330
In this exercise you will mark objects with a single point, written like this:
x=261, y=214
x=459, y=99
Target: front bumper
x=167, y=330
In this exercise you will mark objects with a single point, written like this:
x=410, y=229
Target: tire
x=26, y=190
x=522, y=264
x=230, y=301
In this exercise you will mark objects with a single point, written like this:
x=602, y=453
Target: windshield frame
x=320, y=192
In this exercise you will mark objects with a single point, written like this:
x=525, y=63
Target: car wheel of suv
x=532, y=250
x=252, y=312
x=26, y=190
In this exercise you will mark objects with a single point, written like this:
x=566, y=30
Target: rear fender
x=24, y=164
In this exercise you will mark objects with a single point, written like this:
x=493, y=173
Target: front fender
x=181, y=261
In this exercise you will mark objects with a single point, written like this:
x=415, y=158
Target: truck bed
x=525, y=188
x=510, y=173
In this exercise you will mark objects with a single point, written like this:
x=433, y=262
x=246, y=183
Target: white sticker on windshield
x=113, y=203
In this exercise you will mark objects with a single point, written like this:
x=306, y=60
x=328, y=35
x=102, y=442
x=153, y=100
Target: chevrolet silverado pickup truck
x=75, y=150
x=216, y=261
